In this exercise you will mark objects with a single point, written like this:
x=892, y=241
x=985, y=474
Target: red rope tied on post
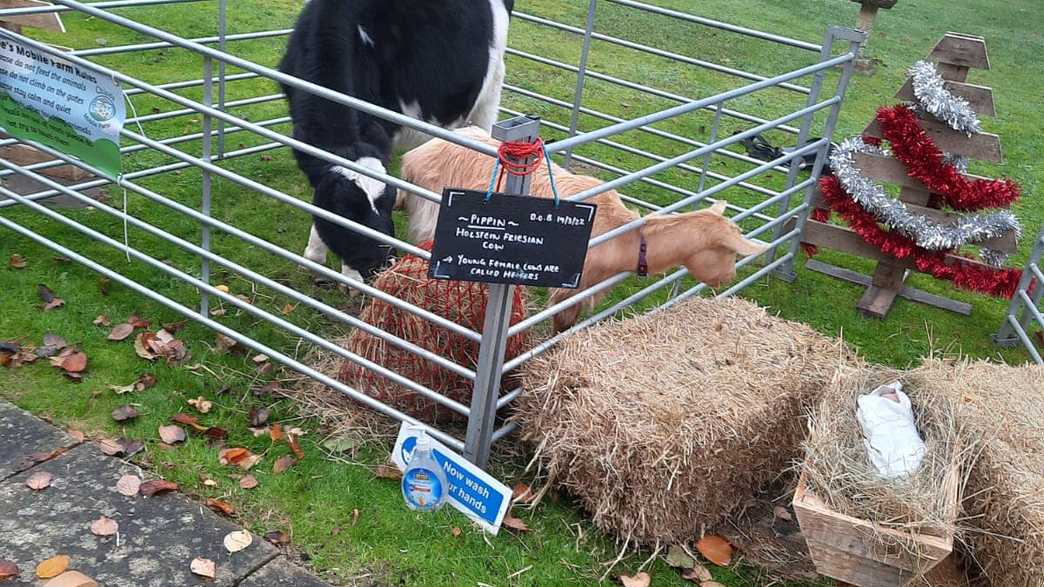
x=520, y=159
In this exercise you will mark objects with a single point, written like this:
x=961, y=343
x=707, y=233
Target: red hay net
x=458, y=301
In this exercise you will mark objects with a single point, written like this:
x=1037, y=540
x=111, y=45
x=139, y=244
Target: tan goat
x=705, y=242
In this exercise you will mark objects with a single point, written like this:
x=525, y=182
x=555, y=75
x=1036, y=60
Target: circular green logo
x=102, y=108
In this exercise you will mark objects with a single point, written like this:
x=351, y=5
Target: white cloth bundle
x=892, y=441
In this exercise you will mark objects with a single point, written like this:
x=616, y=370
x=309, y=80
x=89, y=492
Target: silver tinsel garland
x=927, y=233
x=932, y=96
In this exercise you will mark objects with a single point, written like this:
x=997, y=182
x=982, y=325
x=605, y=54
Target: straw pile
x=459, y=302
x=839, y=472
x=1003, y=409
x=665, y=423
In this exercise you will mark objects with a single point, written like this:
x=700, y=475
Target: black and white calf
x=438, y=61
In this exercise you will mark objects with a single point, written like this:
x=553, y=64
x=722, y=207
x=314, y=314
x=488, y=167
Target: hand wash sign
x=471, y=490
x=46, y=99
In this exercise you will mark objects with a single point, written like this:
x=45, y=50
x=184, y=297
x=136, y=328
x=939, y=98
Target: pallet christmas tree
x=925, y=232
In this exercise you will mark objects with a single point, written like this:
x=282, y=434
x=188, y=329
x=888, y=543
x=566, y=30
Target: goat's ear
x=719, y=207
x=744, y=247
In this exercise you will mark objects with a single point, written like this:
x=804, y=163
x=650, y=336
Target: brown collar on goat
x=643, y=262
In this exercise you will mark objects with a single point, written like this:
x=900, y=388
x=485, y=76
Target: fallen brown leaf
x=355, y=516
x=145, y=381
x=215, y=435
x=715, y=549
x=102, y=320
x=782, y=513
x=456, y=531
x=39, y=481
x=150, y=488
x=259, y=417
x=698, y=574
x=258, y=359
x=237, y=541
x=711, y=584
x=678, y=558
x=640, y=580
x=248, y=482
x=137, y=322
x=515, y=523
x=104, y=527
x=141, y=346
x=288, y=308
x=277, y=537
x=121, y=332
x=203, y=567
x=124, y=413
x=49, y=299
x=295, y=446
x=385, y=471
x=110, y=447
x=521, y=493
x=201, y=404
x=221, y=507
x=76, y=435
x=131, y=447
x=240, y=457
x=283, y=463
x=8, y=570
x=53, y=566
x=103, y=285
x=17, y=261
x=210, y=483
x=172, y=434
x=275, y=432
x=54, y=341
x=75, y=363
x=128, y=485
x=174, y=327
x=188, y=420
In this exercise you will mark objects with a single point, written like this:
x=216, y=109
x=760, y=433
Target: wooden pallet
x=954, y=55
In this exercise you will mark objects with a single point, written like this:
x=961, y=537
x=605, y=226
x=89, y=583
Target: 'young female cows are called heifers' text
x=705, y=242
x=440, y=62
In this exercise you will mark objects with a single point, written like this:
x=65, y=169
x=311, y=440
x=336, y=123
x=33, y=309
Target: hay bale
x=665, y=423
x=461, y=302
x=1002, y=409
x=839, y=472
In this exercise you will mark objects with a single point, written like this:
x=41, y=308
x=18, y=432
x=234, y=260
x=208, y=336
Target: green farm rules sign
x=51, y=101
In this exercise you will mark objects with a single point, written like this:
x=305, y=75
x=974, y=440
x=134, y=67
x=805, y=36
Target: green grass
x=315, y=500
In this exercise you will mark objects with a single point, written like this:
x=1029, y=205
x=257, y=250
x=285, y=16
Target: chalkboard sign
x=510, y=239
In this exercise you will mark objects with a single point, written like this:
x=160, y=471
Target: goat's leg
x=567, y=317
x=316, y=249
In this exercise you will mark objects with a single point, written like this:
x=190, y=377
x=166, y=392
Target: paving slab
x=22, y=435
x=281, y=573
x=157, y=540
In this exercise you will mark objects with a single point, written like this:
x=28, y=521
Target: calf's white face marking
x=366, y=38
x=373, y=188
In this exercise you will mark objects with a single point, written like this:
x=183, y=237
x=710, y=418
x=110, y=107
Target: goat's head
x=714, y=242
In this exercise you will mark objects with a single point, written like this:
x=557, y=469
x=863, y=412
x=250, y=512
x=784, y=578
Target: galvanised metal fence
x=665, y=150
x=1025, y=316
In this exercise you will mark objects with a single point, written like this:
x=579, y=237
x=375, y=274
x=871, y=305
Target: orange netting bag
x=457, y=301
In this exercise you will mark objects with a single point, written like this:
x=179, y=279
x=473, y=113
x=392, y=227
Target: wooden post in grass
x=868, y=12
x=23, y=154
x=955, y=55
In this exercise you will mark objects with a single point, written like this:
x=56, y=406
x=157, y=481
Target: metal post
x=222, y=33
x=713, y=139
x=1007, y=336
x=482, y=420
x=581, y=79
x=855, y=40
x=208, y=97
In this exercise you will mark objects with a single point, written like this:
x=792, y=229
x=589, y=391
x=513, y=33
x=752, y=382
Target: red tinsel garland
x=994, y=282
x=924, y=162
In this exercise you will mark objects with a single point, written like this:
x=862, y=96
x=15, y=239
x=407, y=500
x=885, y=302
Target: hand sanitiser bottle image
x=424, y=483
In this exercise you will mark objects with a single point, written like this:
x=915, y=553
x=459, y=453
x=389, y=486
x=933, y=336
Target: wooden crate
x=855, y=551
